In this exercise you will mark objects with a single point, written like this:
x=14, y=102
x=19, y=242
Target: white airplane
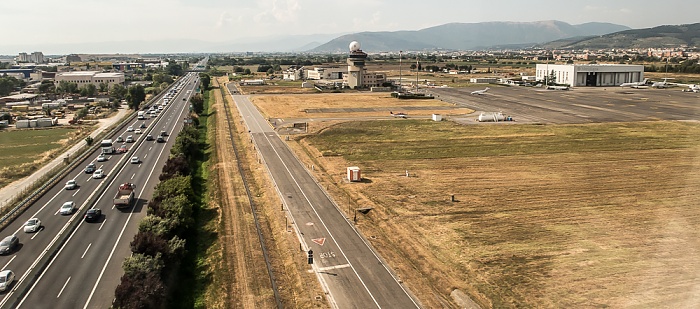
x=480, y=92
x=558, y=87
x=635, y=85
x=692, y=88
x=664, y=84
x=399, y=115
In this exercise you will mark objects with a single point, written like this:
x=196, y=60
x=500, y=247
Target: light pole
x=400, y=84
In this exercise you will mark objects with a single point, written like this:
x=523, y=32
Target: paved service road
x=87, y=266
x=348, y=269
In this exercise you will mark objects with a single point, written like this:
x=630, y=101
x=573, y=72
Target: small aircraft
x=692, y=88
x=480, y=92
x=399, y=115
x=557, y=87
x=664, y=84
x=636, y=84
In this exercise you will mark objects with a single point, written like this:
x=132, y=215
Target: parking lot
x=579, y=105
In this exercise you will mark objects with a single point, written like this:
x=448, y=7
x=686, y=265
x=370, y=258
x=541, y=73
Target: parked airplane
x=558, y=87
x=664, y=84
x=399, y=115
x=480, y=92
x=635, y=85
x=692, y=88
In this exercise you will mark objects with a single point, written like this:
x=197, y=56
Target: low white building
x=326, y=72
x=591, y=75
x=90, y=77
x=293, y=73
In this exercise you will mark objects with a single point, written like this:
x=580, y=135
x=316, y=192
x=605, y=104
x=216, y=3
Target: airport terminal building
x=591, y=75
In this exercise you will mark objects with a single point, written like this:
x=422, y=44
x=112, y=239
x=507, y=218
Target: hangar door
x=592, y=79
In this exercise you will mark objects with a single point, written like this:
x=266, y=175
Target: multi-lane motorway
x=65, y=267
x=349, y=270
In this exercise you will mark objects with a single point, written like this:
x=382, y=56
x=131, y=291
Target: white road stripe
x=86, y=250
x=64, y=286
x=333, y=267
x=8, y=263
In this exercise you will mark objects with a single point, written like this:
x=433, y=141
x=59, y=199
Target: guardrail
x=61, y=171
x=34, y=273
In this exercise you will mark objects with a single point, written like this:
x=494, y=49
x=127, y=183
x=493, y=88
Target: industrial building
x=590, y=75
x=326, y=72
x=90, y=77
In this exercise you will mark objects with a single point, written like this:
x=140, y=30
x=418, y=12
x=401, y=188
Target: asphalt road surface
x=579, y=105
x=352, y=274
x=87, y=266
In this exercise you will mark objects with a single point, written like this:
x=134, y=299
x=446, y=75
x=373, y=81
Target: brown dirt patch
x=294, y=106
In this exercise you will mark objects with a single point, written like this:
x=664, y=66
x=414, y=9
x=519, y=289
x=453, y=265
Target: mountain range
x=469, y=36
x=656, y=37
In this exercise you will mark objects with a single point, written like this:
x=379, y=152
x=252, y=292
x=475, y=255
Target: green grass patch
x=24, y=146
x=420, y=139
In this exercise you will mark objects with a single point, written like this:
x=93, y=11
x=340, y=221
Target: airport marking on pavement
x=319, y=241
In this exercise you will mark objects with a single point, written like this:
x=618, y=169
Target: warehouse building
x=90, y=77
x=590, y=75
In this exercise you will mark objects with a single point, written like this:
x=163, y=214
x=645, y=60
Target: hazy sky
x=74, y=21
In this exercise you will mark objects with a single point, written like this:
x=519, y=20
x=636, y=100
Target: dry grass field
x=24, y=151
x=294, y=106
x=557, y=216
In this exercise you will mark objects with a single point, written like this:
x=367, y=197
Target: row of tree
x=9, y=84
x=159, y=245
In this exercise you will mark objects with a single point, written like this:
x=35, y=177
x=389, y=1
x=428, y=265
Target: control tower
x=356, y=65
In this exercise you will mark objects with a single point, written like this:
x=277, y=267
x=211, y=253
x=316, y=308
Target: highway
x=352, y=274
x=86, y=268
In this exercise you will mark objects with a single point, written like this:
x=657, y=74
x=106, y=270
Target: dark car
x=8, y=244
x=143, y=125
x=90, y=168
x=149, y=137
x=160, y=139
x=93, y=215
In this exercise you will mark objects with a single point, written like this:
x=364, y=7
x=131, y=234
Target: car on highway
x=149, y=137
x=137, y=131
x=98, y=174
x=71, y=184
x=90, y=168
x=93, y=215
x=120, y=139
x=143, y=125
x=8, y=244
x=122, y=149
x=6, y=279
x=160, y=139
x=129, y=139
x=130, y=129
x=135, y=160
x=32, y=225
x=163, y=133
x=67, y=208
x=101, y=158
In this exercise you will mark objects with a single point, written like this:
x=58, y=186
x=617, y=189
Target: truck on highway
x=124, y=196
x=142, y=115
x=107, y=146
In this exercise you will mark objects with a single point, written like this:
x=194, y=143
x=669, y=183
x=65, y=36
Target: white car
x=6, y=279
x=32, y=225
x=101, y=158
x=71, y=184
x=129, y=139
x=135, y=160
x=98, y=174
x=120, y=139
x=138, y=131
x=130, y=129
x=67, y=208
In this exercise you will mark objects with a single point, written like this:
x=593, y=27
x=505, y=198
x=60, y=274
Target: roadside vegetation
x=163, y=271
x=555, y=216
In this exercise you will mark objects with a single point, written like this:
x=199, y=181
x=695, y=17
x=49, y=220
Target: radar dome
x=354, y=46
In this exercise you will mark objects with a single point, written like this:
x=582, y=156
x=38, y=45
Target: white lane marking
x=86, y=250
x=37, y=232
x=76, y=192
x=333, y=267
x=145, y=156
x=8, y=263
x=114, y=248
x=132, y=176
x=64, y=286
x=149, y=148
x=103, y=223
